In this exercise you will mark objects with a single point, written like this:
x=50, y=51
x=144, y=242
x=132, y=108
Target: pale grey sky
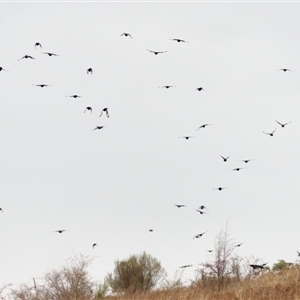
x=111, y=186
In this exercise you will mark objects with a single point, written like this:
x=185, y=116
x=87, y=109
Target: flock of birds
x=105, y=112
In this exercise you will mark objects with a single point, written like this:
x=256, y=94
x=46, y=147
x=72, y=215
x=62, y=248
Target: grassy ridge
x=283, y=285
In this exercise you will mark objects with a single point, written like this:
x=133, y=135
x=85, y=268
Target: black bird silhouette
x=220, y=188
x=197, y=236
x=239, y=245
x=74, y=96
x=258, y=266
x=225, y=158
x=200, y=211
x=126, y=34
x=1, y=209
x=185, y=266
x=99, y=127
x=89, y=71
x=270, y=133
x=180, y=205
x=202, y=207
x=156, y=52
x=203, y=126
x=237, y=169
x=200, y=89
x=37, y=44
x=167, y=86
x=2, y=69
x=246, y=160
x=50, y=54
x=210, y=251
x=283, y=124
x=179, y=40
x=150, y=230
x=284, y=70
x=298, y=253
x=88, y=108
x=41, y=85
x=94, y=245
x=61, y=230
x=26, y=56
x=106, y=112
x=186, y=137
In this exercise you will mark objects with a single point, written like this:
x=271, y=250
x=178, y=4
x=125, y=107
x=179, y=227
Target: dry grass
x=284, y=285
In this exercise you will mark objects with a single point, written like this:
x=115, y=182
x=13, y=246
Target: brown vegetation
x=283, y=285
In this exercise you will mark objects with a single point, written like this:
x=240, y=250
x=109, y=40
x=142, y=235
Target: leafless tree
x=3, y=290
x=225, y=262
x=71, y=281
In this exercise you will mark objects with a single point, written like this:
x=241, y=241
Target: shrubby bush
x=137, y=273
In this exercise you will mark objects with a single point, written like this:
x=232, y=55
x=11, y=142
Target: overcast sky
x=111, y=186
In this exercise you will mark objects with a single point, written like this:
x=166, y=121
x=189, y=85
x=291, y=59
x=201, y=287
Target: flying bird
x=156, y=52
x=186, y=137
x=74, y=96
x=167, y=86
x=270, y=133
x=89, y=71
x=283, y=125
x=200, y=211
x=197, y=236
x=179, y=205
x=284, y=70
x=99, y=127
x=246, y=160
x=179, y=40
x=2, y=69
x=88, y=108
x=239, y=245
x=185, y=266
x=298, y=253
x=258, y=266
x=106, y=112
x=237, y=169
x=94, y=245
x=202, y=207
x=203, y=126
x=50, y=54
x=150, y=230
x=210, y=251
x=225, y=158
x=37, y=44
x=220, y=188
x=200, y=89
x=41, y=85
x=1, y=209
x=126, y=34
x=61, y=230
x=26, y=57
